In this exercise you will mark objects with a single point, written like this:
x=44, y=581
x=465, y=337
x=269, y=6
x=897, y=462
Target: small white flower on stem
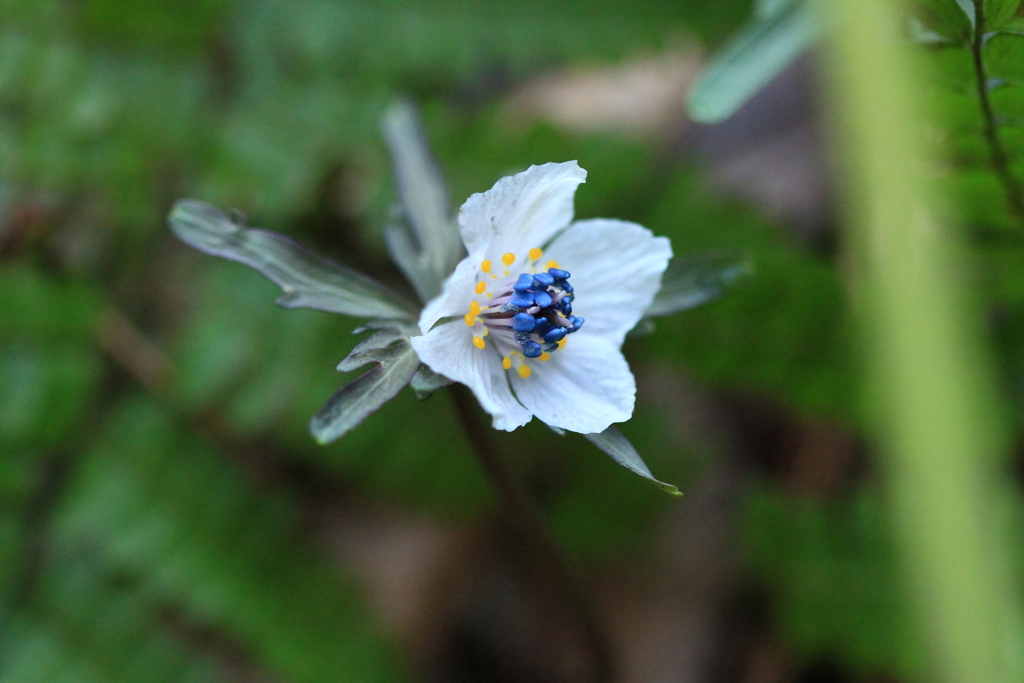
x=509, y=323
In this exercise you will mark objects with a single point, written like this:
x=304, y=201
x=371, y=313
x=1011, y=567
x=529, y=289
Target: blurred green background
x=164, y=514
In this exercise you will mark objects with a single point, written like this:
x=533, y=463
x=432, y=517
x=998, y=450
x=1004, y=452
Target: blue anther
x=544, y=279
x=522, y=299
x=565, y=286
x=559, y=273
x=555, y=335
x=542, y=327
x=531, y=349
x=577, y=322
x=524, y=283
x=523, y=322
x=543, y=299
x=522, y=337
x=552, y=348
x=509, y=307
x=566, y=307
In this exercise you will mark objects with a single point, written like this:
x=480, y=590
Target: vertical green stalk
x=931, y=392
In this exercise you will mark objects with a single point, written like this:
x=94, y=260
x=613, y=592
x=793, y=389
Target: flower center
x=527, y=316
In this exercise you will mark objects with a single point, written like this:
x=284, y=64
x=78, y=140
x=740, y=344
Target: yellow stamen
x=480, y=287
x=479, y=342
x=508, y=259
x=470, y=319
x=486, y=332
x=524, y=371
x=563, y=342
x=474, y=307
x=535, y=254
x=485, y=266
x=551, y=264
x=488, y=295
x=545, y=356
x=506, y=363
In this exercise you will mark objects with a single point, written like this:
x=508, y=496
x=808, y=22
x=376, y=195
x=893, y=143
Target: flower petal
x=584, y=387
x=521, y=212
x=448, y=350
x=616, y=270
x=455, y=296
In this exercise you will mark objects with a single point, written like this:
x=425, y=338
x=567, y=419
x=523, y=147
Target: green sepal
x=615, y=444
x=691, y=281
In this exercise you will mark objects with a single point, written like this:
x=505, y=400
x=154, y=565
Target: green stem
x=1000, y=164
x=550, y=571
x=932, y=395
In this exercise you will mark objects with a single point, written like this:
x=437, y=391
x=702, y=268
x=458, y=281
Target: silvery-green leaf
x=406, y=255
x=308, y=280
x=694, y=280
x=424, y=197
x=761, y=50
x=425, y=382
x=766, y=9
x=365, y=351
x=365, y=394
x=612, y=442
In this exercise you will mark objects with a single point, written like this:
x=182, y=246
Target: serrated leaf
x=947, y=18
x=695, y=280
x=368, y=392
x=1014, y=25
x=308, y=280
x=1008, y=104
x=425, y=382
x=1004, y=57
x=998, y=12
x=612, y=442
x=758, y=53
x=424, y=199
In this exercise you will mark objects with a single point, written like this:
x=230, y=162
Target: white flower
x=531, y=266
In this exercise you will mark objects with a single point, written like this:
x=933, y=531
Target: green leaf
x=999, y=12
x=368, y=392
x=695, y=280
x=612, y=442
x=308, y=280
x=425, y=382
x=424, y=200
x=1008, y=104
x=756, y=55
x=1004, y=57
x=946, y=18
